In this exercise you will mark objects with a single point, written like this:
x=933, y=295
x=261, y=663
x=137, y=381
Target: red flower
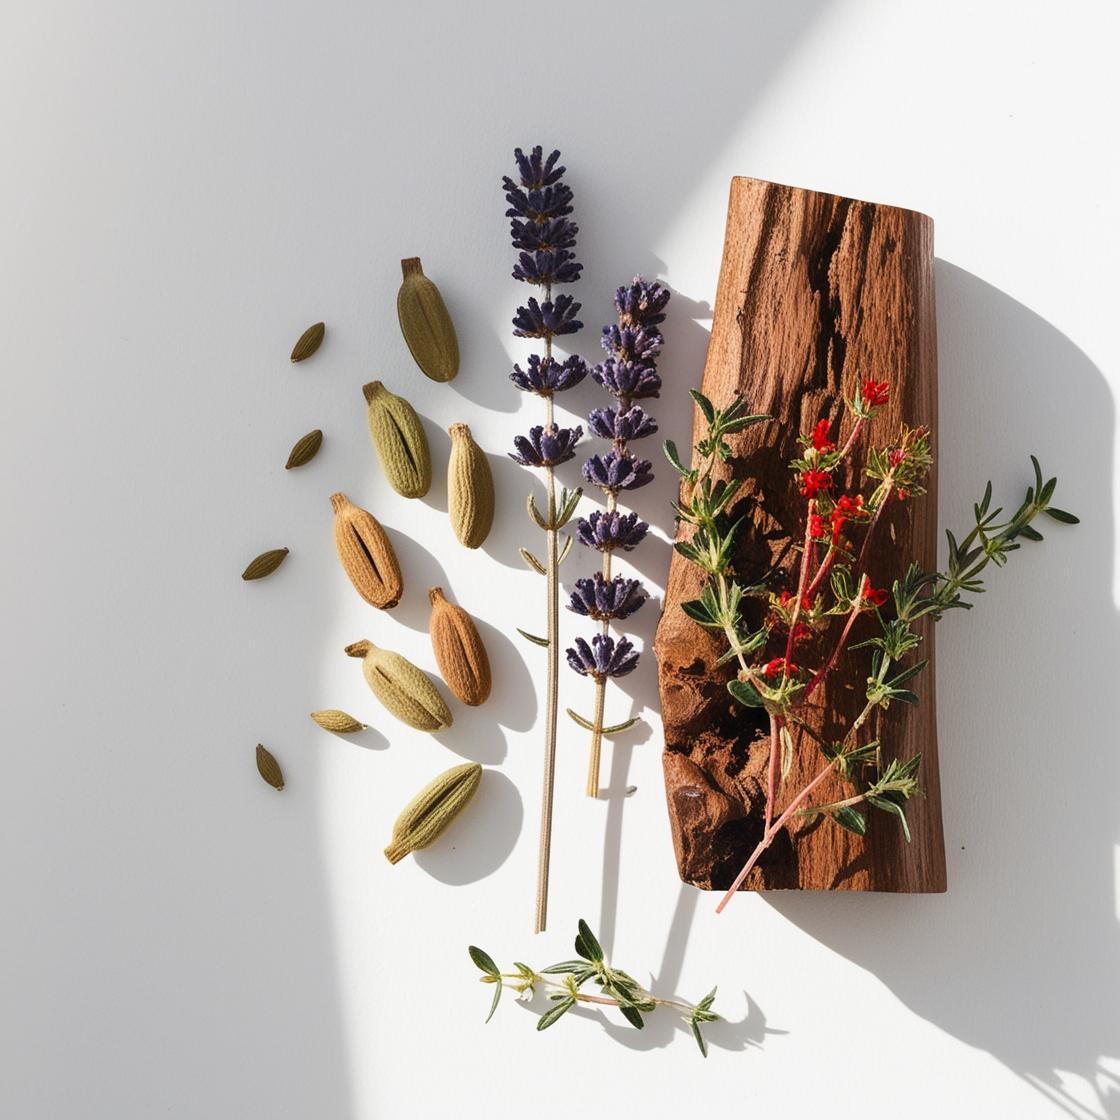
x=820, y=437
x=778, y=665
x=896, y=456
x=786, y=598
x=816, y=527
x=850, y=507
x=874, y=393
x=901, y=495
x=875, y=596
x=813, y=481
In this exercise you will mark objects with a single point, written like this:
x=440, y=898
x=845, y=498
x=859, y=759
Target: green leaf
x=671, y=453
x=851, y=819
x=484, y=961
x=532, y=561
x=889, y=806
x=699, y=1037
x=745, y=693
x=565, y=966
x=705, y=405
x=533, y=638
x=697, y=610
x=1062, y=516
x=905, y=695
x=618, y=728
x=906, y=674
x=1030, y=533
x=706, y=1003
x=496, y=1001
x=586, y=724
x=554, y=1013
x=587, y=945
x=633, y=1016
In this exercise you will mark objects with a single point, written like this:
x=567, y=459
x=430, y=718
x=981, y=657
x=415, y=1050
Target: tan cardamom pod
x=305, y=450
x=269, y=768
x=333, y=719
x=470, y=488
x=367, y=554
x=425, y=323
x=399, y=438
x=265, y=564
x=459, y=651
x=309, y=342
x=402, y=687
x=426, y=816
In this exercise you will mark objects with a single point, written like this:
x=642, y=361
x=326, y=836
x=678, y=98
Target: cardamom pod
x=399, y=438
x=309, y=342
x=269, y=768
x=367, y=554
x=265, y=564
x=470, y=488
x=425, y=323
x=459, y=651
x=426, y=816
x=333, y=719
x=305, y=450
x=402, y=687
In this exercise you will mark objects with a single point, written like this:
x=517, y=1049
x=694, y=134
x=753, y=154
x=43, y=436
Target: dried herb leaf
x=265, y=564
x=309, y=342
x=305, y=450
x=269, y=768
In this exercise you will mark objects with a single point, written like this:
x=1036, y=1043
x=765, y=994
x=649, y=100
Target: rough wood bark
x=815, y=292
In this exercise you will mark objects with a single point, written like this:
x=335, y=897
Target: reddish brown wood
x=815, y=291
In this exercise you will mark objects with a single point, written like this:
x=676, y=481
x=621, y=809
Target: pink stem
x=772, y=779
x=802, y=580
x=827, y=666
x=822, y=571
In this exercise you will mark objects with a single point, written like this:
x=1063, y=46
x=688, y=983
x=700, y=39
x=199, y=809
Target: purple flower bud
x=536, y=172
x=602, y=599
x=559, y=267
x=632, y=344
x=545, y=320
x=609, y=529
x=642, y=304
x=614, y=472
x=628, y=380
x=546, y=447
x=604, y=657
x=546, y=236
x=538, y=205
x=545, y=376
x=615, y=424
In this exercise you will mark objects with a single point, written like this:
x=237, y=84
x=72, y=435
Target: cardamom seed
x=309, y=342
x=398, y=436
x=429, y=813
x=459, y=651
x=402, y=687
x=333, y=719
x=425, y=323
x=366, y=554
x=265, y=564
x=470, y=488
x=304, y=450
x=269, y=768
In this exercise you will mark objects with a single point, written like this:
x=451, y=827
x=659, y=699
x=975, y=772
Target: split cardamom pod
x=470, y=488
x=265, y=564
x=399, y=439
x=459, y=651
x=269, y=768
x=429, y=813
x=309, y=342
x=333, y=719
x=366, y=553
x=305, y=450
x=402, y=687
x=425, y=323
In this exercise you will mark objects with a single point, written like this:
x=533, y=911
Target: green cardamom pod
x=333, y=719
x=426, y=816
x=305, y=450
x=309, y=342
x=470, y=488
x=265, y=564
x=398, y=436
x=402, y=687
x=269, y=768
x=425, y=323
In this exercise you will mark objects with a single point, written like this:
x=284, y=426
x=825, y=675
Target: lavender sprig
x=541, y=231
x=629, y=373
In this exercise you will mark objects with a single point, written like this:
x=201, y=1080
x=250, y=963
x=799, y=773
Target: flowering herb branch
x=539, y=208
x=629, y=374
x=564, y=982
x=834, y=589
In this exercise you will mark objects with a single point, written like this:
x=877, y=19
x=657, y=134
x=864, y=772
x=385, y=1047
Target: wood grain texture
x=815, y=292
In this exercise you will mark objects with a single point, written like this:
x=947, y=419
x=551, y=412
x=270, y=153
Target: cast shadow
x=1022, y=957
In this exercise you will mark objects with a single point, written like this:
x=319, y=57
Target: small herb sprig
x=564, y=983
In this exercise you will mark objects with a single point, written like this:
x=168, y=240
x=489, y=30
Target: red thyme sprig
x=838, y=586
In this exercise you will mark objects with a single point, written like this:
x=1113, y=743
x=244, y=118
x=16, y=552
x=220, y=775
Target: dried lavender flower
x=544, y=236
x=641, y=304
x=545, y=376
x=606, y=530
x=617, y=471
x=604, y=657
x=632, y=344
x=627, y=380
x=621, y=425
x=547, y=320
x=602, y=599
x=547, y=446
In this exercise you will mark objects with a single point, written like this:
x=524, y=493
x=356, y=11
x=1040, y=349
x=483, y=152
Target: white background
x=186, y=186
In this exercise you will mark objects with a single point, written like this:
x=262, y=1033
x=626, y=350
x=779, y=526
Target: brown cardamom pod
x=402, y=687
x=265, y=564
x=459, y=651
x=366, y=553
x=470, y=488
x=309, y=342
x=425, y=323
x=269, y=768
x=399, y=439
x=429, y=813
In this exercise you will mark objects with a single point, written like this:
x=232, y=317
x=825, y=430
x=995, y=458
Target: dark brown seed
x=269, y=768
x=309, y=342
x=265, y=564
x=305, y=450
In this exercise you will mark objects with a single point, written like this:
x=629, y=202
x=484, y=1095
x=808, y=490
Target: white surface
x=186, y=187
